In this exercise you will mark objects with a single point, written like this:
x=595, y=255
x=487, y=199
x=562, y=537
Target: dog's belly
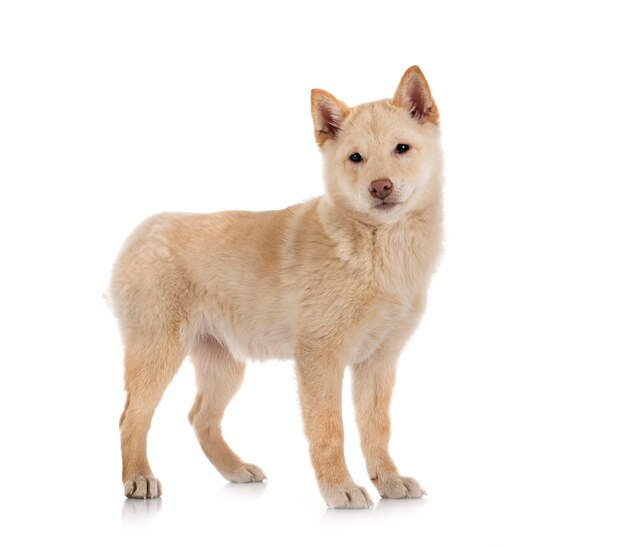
x=246, y=335
x=271, y=342
x=258, y=328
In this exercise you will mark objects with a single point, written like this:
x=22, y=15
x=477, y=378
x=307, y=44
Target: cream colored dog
x=339, y=280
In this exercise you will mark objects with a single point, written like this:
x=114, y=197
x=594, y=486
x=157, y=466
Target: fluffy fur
x=337, y=281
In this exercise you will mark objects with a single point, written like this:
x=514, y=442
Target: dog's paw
x=246, y=473
x=142, y=488
x=396, y=487
x=347, y=495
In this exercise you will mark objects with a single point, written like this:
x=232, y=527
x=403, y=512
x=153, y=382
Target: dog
x=337, y=281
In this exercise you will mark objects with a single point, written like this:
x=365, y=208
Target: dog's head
x=381, y=159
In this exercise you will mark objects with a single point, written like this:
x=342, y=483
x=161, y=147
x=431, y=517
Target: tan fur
x=332, y=282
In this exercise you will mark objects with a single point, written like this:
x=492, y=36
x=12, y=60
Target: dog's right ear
x=328, y=115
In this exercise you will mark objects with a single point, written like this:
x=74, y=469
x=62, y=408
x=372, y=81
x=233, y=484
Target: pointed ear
x=413, y=94
x=328, y=115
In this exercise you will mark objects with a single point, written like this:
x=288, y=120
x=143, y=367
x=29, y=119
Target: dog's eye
x=356, y=157
x=402, y=148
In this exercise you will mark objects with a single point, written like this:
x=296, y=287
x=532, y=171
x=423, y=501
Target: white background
x=510, y=400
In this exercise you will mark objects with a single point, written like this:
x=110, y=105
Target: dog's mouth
x=385, y=205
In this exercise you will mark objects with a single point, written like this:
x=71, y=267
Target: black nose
x=381, y=188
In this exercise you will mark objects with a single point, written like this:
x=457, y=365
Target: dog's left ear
x=328, y=114
x=413, y=94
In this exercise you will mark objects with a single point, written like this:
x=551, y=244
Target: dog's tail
x=108, y=302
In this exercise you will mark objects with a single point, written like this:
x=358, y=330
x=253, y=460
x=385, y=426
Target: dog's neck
x=397, y=258
x=407, y=243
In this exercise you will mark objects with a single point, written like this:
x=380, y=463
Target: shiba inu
x=339, y=281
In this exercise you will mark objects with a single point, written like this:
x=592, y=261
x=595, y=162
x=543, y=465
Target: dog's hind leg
x=150, y=364
x=218, y=377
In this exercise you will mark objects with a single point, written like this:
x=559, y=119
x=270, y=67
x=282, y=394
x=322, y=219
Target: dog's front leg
x=320, y=378
x=373, y=381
